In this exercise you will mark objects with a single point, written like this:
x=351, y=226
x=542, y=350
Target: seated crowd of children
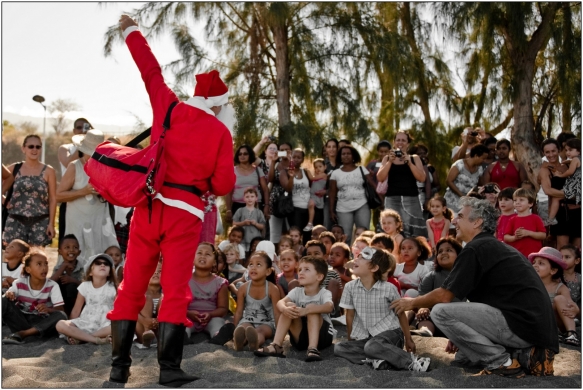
x=301, y=290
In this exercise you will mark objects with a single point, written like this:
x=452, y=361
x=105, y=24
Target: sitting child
x=332, y=281
x=549, y=265
x=96, y=295
x=506, y=206
x=288, y=279
x=210, y=298
x=339, y=256
x=368, y=314
x=234, y=270
x=384, y=241
x=328, y=239
x=446, y=251
x=118, y=261
x=572, y=257
x=317, y=231
x=305, y=310
x=296, y=236
x=338, y=232
x=392, y=224
x=412, y=270
x=68, y=272
x=252, y=248
x=256, y=304
x=525, y=231
x=147, y=325
x=236, y=234
x=33, y=304
x=12, y=264
x=285, y=242
x=359, y=244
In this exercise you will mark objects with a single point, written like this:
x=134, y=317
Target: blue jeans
x=359, y=217
x=479, y=331
x=410, y=211
x=387, y=345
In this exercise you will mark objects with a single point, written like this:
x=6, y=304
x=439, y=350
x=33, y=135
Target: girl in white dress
x=97, y=293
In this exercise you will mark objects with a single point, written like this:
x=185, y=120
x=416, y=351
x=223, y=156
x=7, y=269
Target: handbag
x=283, y=204
x=9, y=195
x=372, y=197
x=129, y=177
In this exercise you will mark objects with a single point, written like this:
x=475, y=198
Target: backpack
x=128, y=177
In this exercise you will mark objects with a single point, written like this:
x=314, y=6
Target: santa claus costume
x=199, y=157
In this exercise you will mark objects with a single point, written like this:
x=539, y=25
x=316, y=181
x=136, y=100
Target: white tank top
x=301, y=191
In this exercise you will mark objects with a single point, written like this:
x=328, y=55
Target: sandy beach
x=52, y=363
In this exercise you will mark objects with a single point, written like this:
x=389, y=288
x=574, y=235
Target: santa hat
x=211, y=88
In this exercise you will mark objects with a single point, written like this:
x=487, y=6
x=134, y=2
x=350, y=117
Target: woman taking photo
x=463, y=175
x=568, y=228
x=247, y=175
x=32, y=207
x=268, y=156
x=277, y=168
x=88, y=216
x=348, y=203
x=404, y=171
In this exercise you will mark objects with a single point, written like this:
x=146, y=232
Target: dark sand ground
x=51, y=363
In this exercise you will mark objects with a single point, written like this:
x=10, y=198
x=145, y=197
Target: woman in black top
x=331, y=148
x=403, y=172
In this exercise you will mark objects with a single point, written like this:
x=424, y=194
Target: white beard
x=228, y=116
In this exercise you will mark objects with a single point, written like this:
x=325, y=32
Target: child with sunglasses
x=88, y=321
x=376, y=334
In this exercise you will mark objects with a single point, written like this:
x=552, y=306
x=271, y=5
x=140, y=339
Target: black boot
x=170, y=346
x=122, y=335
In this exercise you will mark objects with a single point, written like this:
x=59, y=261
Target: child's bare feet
x=239, y=338
x=147, y=338
x=252, y=338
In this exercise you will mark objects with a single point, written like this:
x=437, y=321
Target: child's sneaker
x=419, y=364
x=308, y=227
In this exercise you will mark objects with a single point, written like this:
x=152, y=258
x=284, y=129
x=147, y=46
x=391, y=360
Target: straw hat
x=551, y=254
x=89, y=141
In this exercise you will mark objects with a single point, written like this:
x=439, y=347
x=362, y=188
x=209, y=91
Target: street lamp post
x=40, y=99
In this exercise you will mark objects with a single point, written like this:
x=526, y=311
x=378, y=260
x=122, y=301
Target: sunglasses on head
x=367, y=253
x=34, y=146
x=101, y=262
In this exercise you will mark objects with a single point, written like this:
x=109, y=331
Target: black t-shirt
x=490, y=272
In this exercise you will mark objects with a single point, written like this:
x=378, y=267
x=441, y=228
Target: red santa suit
x=198, y=152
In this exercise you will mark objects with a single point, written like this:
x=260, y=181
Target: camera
x=272, y=138
x=489, y=189
x=282, y=153
x=398, y=153
x=86, y=128
x=473, y=133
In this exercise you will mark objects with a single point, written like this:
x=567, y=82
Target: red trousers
x=173, y=232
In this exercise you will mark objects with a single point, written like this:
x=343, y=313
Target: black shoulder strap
x=146, y=133
x=11, y=189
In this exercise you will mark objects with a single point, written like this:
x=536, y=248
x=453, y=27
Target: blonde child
x=525, y=231
x=572, y=257
x=549, y=265
x=285, y=243
x=506, y=206
x=256, y=305
x=572, y=187
x=234, y=270
x=147, y=325
x=392, y=224
x=287, y=280
x=250, y=218
x=12, y=264
x=317, y=190
x=33, y=304
x=438, y=226
x=359, y=244
x=296, y=236
x=118, y=261
x=236, y=235
x=210, y=298
x=95, y=299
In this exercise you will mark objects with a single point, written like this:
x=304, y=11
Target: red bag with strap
x=126, y=176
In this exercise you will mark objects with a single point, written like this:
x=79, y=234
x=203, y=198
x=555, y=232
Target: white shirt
x=351, y=195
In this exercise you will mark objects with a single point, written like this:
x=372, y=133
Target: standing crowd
x=491, y=263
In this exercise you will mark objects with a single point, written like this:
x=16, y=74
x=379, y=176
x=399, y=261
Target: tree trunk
x=282, y=80
x=522, y=136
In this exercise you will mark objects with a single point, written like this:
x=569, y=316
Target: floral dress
x=28, y=210
x=98, y=302
x=464, y=181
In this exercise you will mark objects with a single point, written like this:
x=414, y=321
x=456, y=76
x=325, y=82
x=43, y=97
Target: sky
x=56, y=50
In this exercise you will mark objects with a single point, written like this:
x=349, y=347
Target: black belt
x=28, y=221
x=191, y=189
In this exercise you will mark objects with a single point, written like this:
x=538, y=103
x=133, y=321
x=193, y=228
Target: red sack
x=129, y=177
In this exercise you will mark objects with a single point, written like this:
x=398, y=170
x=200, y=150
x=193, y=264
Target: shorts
x=568, y=223
x=325, y=336
x=256, y=324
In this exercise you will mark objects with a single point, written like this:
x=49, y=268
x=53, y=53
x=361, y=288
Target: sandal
x=571, y=338
x=266, y=351
x=101, y=340
x=14, y=338
x=313, y=355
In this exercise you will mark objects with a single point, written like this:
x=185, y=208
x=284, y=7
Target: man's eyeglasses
x=101, y=262
x=34, y=146
x=367, y=253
